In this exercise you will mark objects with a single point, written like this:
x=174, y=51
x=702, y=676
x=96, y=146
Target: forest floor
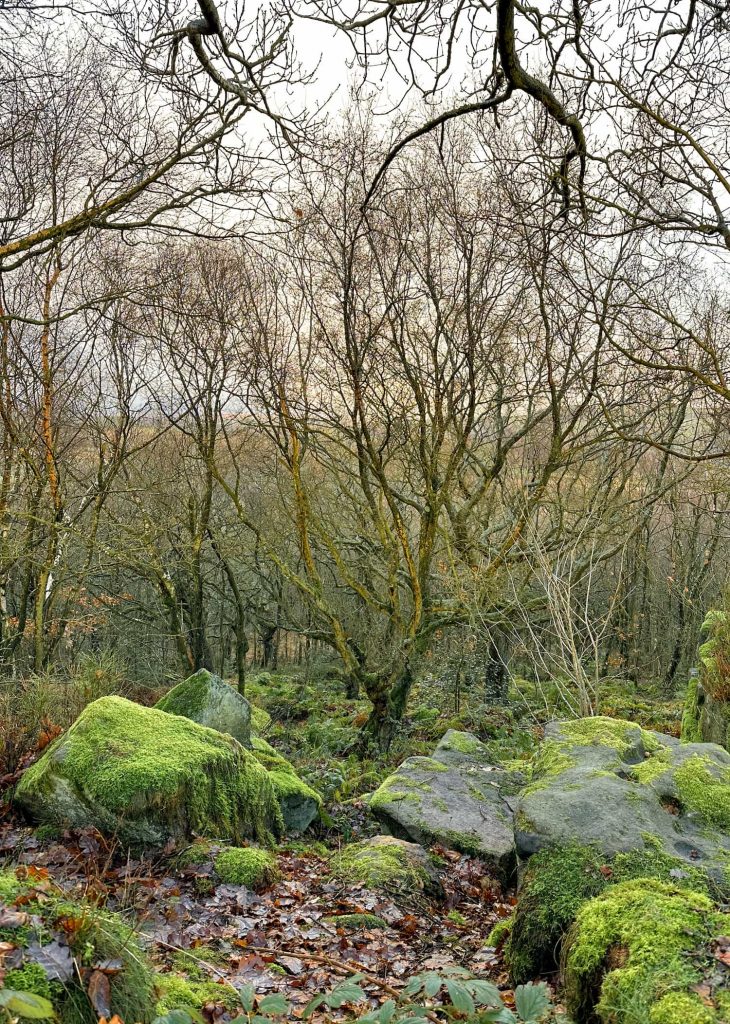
x=285, y=939
x=297, y=937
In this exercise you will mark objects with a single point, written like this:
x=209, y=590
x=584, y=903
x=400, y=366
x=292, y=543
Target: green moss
x=192, y=963
x=379, y=865
x=142, y=771
x=282, y=774
x=681, y=1008
x=97, y=935
x=551, y=761
x=653, y=862
x=177, y=993
x=463, y=743
x=607, y=732
x=312, y=848
x=722, y=1000
x=653, y=767
x=465, y=842
x=354, y=922
x=29, y=978
x=558, y=882
x=248, y=866
x=288, y=784
x=267, y=756
x=397, y=788
x=48, y=833
x=554, y=757
x=691, y=714
x=501, y=931
x=188, y=698
x=429, y=764
x=10, y=886
x=260, y=720
x=198, y=852
x=701, y=791
x=634, y=946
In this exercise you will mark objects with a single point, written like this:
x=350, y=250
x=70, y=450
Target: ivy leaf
x=275, y=1003
x=532, y=1001
x=247, y=996
x=26, y=1004
x=460, y=997
x=485, y=993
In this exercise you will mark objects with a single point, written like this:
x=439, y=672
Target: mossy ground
x=248, y=865
x=385, y=864
x=634, y=954
x=178, y=993
x=128, y=764
x=94, y=935
x=354, y=922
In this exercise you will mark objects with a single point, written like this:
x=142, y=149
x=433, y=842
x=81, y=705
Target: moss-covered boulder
x=147, y=776
x=559, y=880
x=457, y=798
x=210, y=701
x=300, y=804
x=644, y=951
x=706, y=715
x=247, y=865
x=52, y=939
x=398, y=868
x=611, y=785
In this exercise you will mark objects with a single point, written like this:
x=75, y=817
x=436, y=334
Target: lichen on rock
x=146, y=776
x=608, y=784
x=458, y=798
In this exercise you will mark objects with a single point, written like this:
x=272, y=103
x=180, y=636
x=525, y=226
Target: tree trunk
x=389, y=698
x=496, y=680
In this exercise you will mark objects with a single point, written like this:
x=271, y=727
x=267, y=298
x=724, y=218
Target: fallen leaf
x=100, y=993
x=55, y=959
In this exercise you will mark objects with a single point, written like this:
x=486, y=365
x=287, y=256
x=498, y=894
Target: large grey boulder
x=458, y=798
x=610, y=785
x=208, y=700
